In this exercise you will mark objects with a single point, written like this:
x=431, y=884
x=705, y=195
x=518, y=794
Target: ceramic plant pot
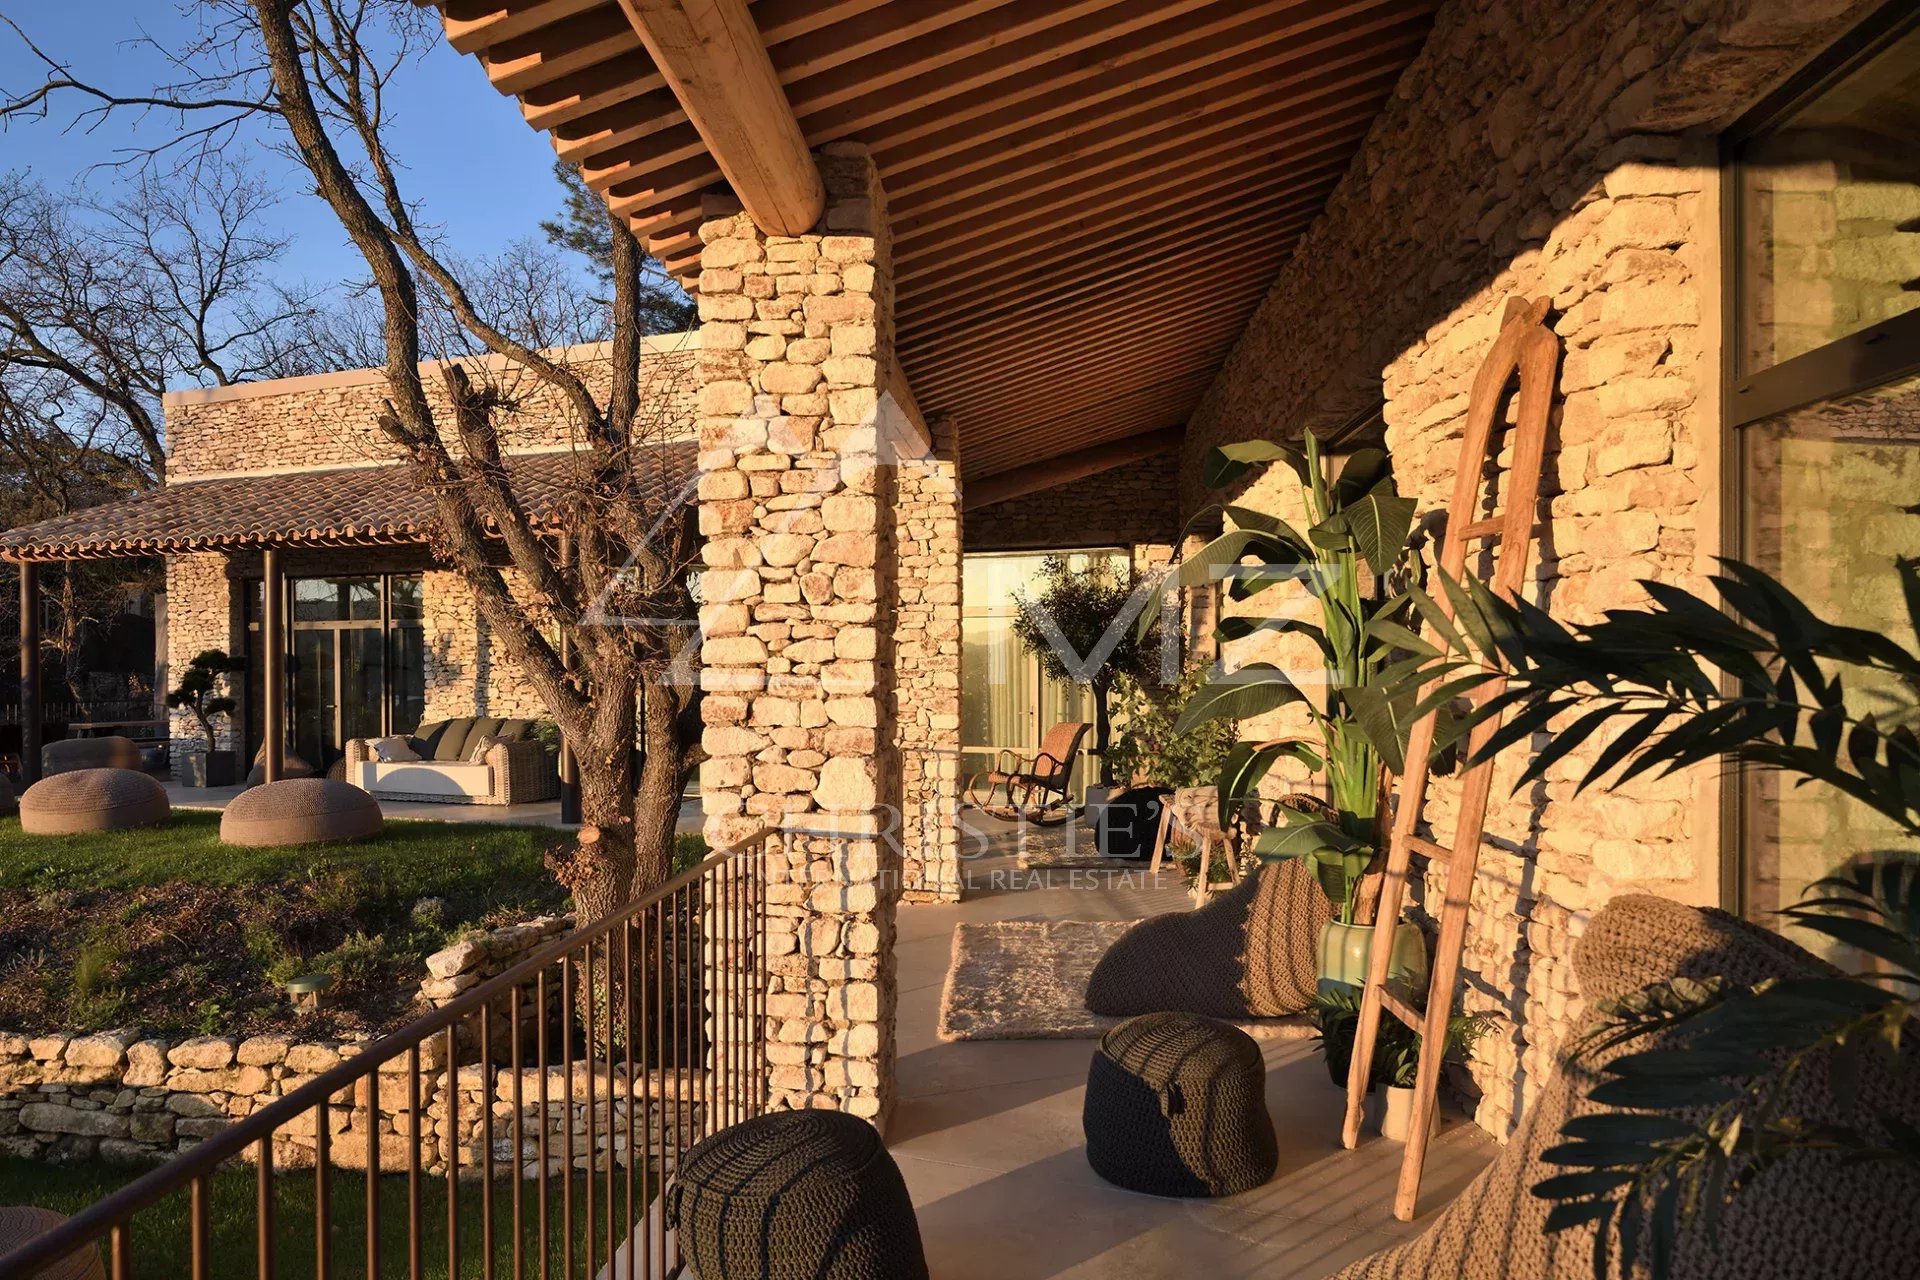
x=1345, y=949
x=1396, y=1117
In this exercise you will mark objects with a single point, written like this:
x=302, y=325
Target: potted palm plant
x=198, y=694
x=1356, y=561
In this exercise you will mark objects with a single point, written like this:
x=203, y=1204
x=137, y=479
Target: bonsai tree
x=1076, y=625
x=198, y=692
x=1689, y=1121
x=1355, y=561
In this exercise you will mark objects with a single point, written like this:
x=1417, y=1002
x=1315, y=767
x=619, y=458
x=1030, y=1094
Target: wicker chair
x=1177, y=1106
x=1034, y=788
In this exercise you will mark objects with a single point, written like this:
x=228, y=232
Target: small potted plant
x=1396, y=1064
x=198, y=694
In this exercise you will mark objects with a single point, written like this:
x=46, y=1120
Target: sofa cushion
x=515, y=730
x=450, y=746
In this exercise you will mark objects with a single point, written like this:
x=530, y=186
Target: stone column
x=797, y=515
x=927, y=663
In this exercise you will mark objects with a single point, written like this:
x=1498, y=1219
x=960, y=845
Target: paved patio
x=988, y=1133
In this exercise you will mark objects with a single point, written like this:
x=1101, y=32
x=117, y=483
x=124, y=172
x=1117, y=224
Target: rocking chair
x=1034, y=789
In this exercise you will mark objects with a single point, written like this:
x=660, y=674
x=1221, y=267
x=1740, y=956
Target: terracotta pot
x=1345, y=949
x=1396, y=1117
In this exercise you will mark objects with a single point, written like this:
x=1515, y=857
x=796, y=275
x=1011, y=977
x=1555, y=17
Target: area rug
x=1027, y=980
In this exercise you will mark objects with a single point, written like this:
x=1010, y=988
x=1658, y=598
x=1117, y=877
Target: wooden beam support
x=1050, y=473
x=30, y=707
x=273, y=668
x=710, y=53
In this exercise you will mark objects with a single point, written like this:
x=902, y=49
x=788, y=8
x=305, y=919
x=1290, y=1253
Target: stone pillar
x=797, y=515
x=926, y=632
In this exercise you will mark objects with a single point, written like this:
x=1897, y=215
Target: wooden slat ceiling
x=1089, y=197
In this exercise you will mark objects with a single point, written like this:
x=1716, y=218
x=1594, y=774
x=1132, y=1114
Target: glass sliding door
x=357, y=660
x=1006, y=702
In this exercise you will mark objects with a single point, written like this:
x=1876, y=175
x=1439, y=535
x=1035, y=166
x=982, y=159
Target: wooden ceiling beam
x=712, y=57
x=1073, y=430
x=603, y=135
x=1173, y=269
x=1115, y=31
x=931, y=290
x=551, y=52
x=1067, y=468
x=1089, y=390
x=473, y=25
x=1191, y=325
x=1214, y=45
x=1200, y=338
x=605, y=84
x=1087, y=137
x=1226, y=142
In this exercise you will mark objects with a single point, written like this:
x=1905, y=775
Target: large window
x=1825, y=395
x=1006, y=702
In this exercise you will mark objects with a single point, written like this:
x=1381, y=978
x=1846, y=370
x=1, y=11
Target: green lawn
x=160, y=1238
x=167, y=928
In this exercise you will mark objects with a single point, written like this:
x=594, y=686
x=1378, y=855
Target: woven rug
x=1027, y=980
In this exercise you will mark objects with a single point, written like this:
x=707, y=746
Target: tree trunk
x=1102, y=727
x=656, y=803
x=598, y=870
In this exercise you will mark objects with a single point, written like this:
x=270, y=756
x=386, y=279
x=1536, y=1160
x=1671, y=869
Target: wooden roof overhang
x=1089, y=197
x=370, y=506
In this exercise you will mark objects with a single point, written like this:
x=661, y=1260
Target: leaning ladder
x=1527, y=348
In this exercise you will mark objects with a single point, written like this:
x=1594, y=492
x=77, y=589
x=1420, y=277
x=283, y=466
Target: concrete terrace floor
x=988, y=1133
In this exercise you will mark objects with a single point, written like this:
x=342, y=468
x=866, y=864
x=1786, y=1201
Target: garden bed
x=169, y=930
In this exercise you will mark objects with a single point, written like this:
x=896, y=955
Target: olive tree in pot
x=1355, y=562
x=199, y=695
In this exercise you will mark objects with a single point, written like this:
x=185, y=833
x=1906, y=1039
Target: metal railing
x=547, y=1106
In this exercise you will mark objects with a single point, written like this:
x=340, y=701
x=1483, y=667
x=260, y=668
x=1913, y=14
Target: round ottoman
x=20, y=1225
x=299, y=811
x=795, y=1195
x=92, y=800
x=1177, y=1106
x=69, y=754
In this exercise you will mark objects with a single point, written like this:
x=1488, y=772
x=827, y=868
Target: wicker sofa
x=516, y=768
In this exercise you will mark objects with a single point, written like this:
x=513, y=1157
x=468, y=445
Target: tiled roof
x=375, y=505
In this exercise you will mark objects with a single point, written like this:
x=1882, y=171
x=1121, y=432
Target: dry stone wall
x=1574, y=173
x=329, y=419
x=798, y=512
x=1134, y=504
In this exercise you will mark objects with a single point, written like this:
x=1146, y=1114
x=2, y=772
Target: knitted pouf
x=795, y=1195
x=299, y=811
x=20, y=1225
x=1177, y=1106
x=92, y=800
x=70, y=754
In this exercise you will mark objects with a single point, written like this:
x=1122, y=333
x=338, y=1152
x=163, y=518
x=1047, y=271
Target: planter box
x=209, y=768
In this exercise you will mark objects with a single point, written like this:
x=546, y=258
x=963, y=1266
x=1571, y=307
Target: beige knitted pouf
x=89, y=753
x=92, y=800
x=300, y=811
x=19, y=1225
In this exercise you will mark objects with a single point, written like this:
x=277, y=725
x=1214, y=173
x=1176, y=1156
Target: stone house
x=991, y=284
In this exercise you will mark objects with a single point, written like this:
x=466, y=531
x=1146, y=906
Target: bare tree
x=316, y=73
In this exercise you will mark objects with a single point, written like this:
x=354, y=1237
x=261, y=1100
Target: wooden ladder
x=1527, y=348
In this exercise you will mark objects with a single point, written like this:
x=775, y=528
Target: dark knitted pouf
x=1177, y=1106
x=795, y=1195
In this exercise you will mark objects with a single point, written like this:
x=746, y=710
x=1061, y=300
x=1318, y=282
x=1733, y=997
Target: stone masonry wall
x=1134, y=504
x=1570, y=172
x=328, y=419
x=797, y=600
x=199, y=617
x=926, y=667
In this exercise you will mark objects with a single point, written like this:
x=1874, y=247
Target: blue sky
x=472, y=163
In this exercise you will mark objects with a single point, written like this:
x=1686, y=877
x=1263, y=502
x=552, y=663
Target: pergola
x=1087, y=198
x=269, y=513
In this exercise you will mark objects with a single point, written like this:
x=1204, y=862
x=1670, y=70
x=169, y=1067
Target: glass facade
x=1006, y=702
x=1826, y=251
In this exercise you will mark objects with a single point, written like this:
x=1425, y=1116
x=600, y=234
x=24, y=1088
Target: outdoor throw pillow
x=481, y=745
x=394, y=751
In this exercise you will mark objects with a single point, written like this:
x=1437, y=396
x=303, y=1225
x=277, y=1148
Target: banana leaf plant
x=1698, y=1086
x=1356, y=562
